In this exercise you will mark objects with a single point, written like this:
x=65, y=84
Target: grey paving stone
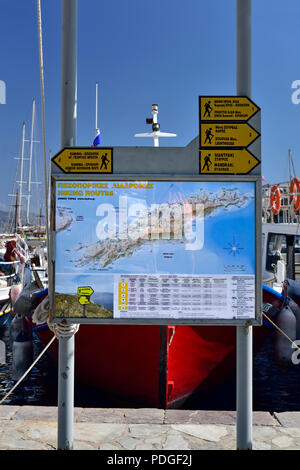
x=265, y=433
x=289, y=418
x=263, y=418
x=41, y=413
x=283, y=442
x=8, y=411
x=97, y=433
x=144, y=415
x=142, y=431
x=36, y=413
x=260, y=418
x=107, y=446
x=21, y=444
x=42, y=431
x=129, y=443
x=207, y=432
x=199, y=417
x=100, y=415
x=80, y=445
x=176, y=441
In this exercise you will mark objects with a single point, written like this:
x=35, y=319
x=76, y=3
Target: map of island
x=167, y=221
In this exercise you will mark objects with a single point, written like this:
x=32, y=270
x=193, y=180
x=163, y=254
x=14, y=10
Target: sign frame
x=256, y=179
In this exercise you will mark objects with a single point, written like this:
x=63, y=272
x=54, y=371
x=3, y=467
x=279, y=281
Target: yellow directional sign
x=86, y=290
x=85, y=160
x=83, y=300
x=226, y=108
x=226, y=134
x=227, y=161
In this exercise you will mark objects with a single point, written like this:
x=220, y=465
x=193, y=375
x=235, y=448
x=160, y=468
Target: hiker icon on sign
x=208, y=109
x=207, y=162
x=105, y=161
x=209, y=136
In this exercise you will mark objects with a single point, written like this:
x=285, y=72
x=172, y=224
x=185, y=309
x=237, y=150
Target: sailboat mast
x=21, y=172
x=290, y=164
x=16, y=213
x=30, y=161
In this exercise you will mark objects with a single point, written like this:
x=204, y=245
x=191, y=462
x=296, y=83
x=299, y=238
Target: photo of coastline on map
x=104, y=230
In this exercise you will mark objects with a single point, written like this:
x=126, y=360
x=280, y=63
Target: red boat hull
x=154, y=366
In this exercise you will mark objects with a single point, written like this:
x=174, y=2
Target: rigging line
x=28, y=370
x=43, y=119
x=281, y=331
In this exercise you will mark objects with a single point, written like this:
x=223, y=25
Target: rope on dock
x=28, y=370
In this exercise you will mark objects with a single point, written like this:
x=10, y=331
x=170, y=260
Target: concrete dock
x=35, y=428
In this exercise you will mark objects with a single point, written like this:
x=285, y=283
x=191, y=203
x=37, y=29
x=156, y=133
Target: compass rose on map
x=233, y=248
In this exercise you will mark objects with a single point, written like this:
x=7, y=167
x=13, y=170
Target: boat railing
x=286, y=213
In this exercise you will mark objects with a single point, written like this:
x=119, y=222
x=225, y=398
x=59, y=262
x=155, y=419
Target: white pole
x=244, y=333
x=69, y=74
x=30, y=161
x=68, y=139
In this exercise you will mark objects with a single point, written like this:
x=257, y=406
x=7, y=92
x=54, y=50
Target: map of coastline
x=111, y=249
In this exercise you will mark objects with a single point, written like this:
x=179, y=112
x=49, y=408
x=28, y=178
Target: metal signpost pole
x=68, y=139
x=244, y=333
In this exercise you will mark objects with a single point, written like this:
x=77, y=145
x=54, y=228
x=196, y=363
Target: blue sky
x=164, y=51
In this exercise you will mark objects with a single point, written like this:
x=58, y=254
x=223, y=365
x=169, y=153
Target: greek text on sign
x=227, y=135
x=85, y=160
x=227, y=161
x=227, y=108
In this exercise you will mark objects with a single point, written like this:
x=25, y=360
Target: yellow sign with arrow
x=226, y=108
x=227, y=134
x=85, y=160
x=84, y=300
x=227, y=161
x=87, y=290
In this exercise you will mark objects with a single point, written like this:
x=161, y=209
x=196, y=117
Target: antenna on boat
x=97, y=139
x=156, y=133
x=96, y=107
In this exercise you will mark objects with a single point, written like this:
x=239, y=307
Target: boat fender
x=21, y=346
x=41, y=312
x=27, y=301
x=275, y=199
x=295, y=188
x=14, y=293
x=283, y=349
x=292, y=289
x=296, y=311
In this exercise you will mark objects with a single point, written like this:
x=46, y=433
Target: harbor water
x=273, y=388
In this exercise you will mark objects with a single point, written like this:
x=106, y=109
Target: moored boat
x=162, y=366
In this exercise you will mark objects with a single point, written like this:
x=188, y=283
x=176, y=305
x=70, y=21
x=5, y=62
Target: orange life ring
x=275, y=199
x=295, y=188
